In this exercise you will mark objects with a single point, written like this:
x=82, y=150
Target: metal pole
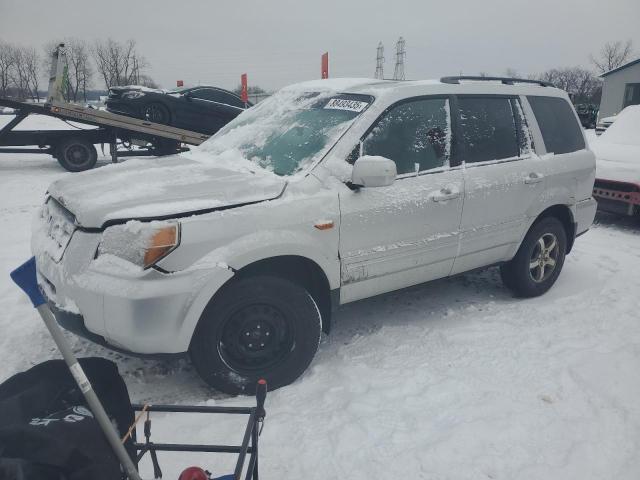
x=87, y=390
x=25, y=277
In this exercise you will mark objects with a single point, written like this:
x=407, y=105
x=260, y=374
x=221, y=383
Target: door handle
x=445, y=194
x=533, y=178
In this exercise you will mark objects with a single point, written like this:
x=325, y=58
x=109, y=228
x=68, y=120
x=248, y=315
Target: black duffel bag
x=47, y=431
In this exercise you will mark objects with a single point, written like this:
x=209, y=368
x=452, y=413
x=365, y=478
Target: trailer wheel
x=76, y=154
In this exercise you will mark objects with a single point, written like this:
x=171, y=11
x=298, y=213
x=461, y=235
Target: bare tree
x=118, y=63
x=25, y=73
x=147, y=81
x=32, y=64
x=612, y=55
x=582, y=84
x=7, y=60
x=511, y=73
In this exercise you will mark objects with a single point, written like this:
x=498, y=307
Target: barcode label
x=344, y=104
x=80, y=377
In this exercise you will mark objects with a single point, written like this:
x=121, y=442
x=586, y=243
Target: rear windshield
x=560, y=129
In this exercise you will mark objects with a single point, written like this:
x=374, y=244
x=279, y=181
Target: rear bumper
x=617, y=197
x=585, y=213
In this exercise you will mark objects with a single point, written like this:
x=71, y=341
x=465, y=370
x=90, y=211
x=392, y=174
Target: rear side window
x=487, y=129
x=218, y=96
x=560, y=129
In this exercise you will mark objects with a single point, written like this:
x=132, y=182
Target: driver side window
x=414, y=134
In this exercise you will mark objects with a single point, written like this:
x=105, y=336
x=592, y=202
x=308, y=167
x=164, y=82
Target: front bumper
x=122, y=108
x=145, y=312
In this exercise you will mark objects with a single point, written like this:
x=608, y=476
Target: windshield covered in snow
x=290, y=130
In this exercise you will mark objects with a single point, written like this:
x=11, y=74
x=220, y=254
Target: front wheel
x=256, y=327
x=539, y=260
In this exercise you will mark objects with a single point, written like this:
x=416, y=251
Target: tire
x=76, y=154
x=524, y=278
x=157, y=113
x=163, y=146
x=227, y=346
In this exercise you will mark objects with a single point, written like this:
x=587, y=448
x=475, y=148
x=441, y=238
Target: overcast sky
x=278, y=42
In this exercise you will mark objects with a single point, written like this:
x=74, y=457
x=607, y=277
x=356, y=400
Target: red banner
x=324, y=69
x=244, y=90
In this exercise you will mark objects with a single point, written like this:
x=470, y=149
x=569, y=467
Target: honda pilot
x=326, y=193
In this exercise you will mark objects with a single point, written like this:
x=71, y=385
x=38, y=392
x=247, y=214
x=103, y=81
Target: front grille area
x=54, y=229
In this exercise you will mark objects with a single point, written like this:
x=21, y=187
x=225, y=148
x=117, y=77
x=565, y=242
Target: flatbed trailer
x=75, y=148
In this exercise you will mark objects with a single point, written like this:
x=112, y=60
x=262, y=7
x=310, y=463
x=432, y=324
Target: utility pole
x=380, y=62
x=398, y=73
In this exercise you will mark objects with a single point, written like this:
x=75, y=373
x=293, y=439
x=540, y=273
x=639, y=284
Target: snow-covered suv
x=326, y=193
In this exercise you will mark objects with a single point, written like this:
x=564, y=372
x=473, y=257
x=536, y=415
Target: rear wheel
x=256, y=327
x=539, y=260
x=157, y=113
x=76, y=154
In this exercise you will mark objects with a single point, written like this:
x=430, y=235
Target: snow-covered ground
x=451, y=380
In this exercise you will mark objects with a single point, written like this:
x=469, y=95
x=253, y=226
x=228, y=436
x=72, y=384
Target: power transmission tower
x=380, y=62
x=398, y=73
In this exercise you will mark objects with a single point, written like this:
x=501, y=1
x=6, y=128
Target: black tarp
x=47, y=431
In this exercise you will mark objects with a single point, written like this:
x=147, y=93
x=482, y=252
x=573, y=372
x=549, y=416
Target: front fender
x=220, y=265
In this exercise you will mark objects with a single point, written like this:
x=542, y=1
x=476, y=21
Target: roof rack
x=504, y=80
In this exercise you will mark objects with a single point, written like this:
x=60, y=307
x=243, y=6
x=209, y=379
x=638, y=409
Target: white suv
x=326, y=193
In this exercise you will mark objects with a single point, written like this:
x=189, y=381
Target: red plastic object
x=193, y=473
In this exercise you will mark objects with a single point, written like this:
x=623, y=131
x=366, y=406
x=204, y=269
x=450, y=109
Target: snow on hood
x=626, y=128
x=152, y=188
x=617, y=150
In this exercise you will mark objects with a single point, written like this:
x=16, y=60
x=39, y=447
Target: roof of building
x=621, y=67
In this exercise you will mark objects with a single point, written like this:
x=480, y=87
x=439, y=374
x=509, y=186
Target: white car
x=617, y=185
x=326, y=193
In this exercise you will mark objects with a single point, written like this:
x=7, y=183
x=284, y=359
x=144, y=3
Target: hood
x=161, y=188
x=617, y=162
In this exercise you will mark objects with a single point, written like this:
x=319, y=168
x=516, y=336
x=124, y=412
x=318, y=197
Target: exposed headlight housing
x=133, y=94
x=141, y=243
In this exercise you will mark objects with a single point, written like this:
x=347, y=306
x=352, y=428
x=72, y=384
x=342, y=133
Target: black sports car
x=200, y=109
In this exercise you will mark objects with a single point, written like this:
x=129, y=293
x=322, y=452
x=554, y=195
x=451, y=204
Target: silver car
x=326, y=193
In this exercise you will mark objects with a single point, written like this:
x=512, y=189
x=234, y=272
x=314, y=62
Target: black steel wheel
x=539, y=260
x=157, y=113
x=256, y=327
x=76, y=154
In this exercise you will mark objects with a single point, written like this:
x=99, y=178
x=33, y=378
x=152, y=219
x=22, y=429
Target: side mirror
x=373, y=171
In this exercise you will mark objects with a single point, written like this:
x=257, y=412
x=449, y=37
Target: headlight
x=141, y=243
x=133, y=94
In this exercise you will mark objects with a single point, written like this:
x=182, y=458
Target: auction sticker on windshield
x=345, y=104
